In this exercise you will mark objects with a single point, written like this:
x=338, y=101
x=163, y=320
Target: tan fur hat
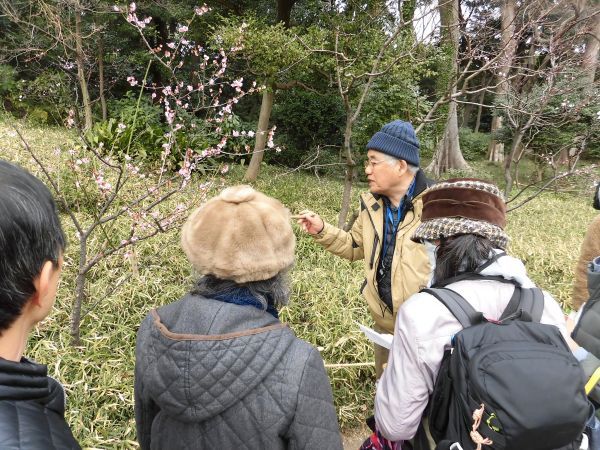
x=240, y=235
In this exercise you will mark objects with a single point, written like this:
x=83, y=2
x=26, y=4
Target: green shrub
x=143, y=137
x=306, y=120
x=125, y=108
x=49, y=92
x=38, y=115
x=8, y=82
x=473, y=145
x=115, y=134
x=43, y=100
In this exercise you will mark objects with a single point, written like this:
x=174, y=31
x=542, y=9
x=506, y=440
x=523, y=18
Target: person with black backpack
x=482, y=356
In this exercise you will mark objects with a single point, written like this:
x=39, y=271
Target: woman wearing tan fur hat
x=217, y=369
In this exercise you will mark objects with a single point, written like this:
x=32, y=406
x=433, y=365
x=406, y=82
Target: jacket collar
x=375, y=201
x=26, y=380
x=421, y=183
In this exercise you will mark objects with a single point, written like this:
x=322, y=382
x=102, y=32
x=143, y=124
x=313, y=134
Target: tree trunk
x=261, y=134
x=563, y=157
x=80, y=59
x=467, y=112
x=350, y=171
x=284, y=11
x=516, y=143
x=540, y=168
x=589, y=63
x=448, y=154
x=79, y=293
x=101, y=78
x=495, y=148
x=479, y=111
x=508, y=50
x=160, y=37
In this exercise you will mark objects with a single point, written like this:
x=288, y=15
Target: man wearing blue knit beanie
x=395, y=267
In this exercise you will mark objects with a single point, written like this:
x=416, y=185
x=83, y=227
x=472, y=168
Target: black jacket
x=32, y=408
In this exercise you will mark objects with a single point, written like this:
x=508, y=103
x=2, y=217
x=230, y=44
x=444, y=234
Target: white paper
x=383, y=339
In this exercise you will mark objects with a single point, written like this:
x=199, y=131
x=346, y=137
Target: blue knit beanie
x=397, y=139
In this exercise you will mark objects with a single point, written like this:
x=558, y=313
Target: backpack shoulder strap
x=528, y=300
x=457, y=305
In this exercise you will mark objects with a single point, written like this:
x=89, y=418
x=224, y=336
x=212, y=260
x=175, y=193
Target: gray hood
x=202, y=356
x=593, y=282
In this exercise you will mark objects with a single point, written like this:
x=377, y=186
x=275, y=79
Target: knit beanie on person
x=240, y=235
x=397, y=139
x=463, y=206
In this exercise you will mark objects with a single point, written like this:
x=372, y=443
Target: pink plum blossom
x=200, y=10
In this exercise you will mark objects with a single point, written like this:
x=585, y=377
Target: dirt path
x=354, y=437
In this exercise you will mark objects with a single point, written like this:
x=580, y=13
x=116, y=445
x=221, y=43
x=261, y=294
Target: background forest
x=135, y=113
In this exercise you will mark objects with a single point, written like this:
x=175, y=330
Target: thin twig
x=344, y=365
x=50, y=180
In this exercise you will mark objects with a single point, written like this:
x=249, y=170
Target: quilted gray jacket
x=214, y=375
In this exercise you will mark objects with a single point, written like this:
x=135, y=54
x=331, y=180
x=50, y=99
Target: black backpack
x=517, y=373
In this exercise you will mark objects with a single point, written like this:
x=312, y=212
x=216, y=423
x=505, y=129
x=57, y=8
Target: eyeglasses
x=372, y=162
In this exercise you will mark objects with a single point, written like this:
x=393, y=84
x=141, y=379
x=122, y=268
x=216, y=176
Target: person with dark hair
x=395, y=267
x=217, y=369
x=32, y=404
x=463, y=230
x=590, y=249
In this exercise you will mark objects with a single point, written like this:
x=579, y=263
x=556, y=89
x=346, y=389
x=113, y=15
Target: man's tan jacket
x=410, y=265
x=590, y=249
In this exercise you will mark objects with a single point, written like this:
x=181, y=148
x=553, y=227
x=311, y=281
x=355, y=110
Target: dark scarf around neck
x=243, y=297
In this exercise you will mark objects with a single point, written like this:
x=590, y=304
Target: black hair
x=596, y=203
x=459, y=254
x=30, y=235
x=275, y=291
